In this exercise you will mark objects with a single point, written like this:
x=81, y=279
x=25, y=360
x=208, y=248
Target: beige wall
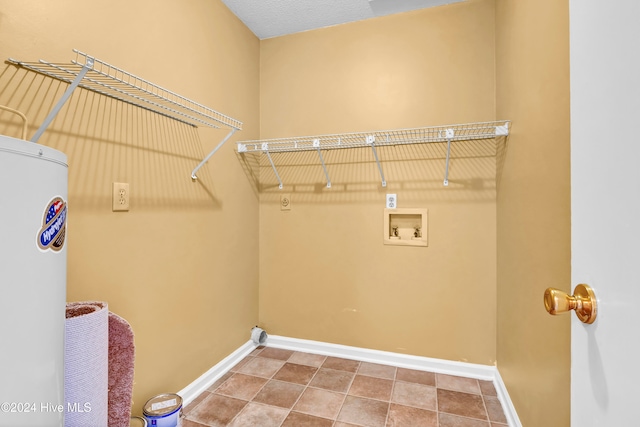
x=534, y=207
x=324, y=272
x=182, y=265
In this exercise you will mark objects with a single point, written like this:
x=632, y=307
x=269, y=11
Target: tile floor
x=282, y=388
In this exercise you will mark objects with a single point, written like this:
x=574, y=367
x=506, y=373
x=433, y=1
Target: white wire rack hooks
x=448, y=134
x=98, y=76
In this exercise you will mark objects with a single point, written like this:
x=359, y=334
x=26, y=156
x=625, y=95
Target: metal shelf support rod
x=449, y=134
x=316, y=143
x=371, y=140
x=206, y=159
x=65, y=96
x=265, y=148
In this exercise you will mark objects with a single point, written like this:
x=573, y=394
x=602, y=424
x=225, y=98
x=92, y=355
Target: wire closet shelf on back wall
x=424, y=135
x=98, y=76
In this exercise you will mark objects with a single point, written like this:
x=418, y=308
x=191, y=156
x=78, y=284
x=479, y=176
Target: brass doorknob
x=583, y=301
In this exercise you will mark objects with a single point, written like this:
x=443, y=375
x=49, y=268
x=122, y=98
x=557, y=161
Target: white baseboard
x=206, y=380
x=469, y=370
x=505, y=401
x=440, y=366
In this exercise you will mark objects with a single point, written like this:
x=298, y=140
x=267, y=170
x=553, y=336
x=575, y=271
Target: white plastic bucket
x=137, y=422
x=163, y=411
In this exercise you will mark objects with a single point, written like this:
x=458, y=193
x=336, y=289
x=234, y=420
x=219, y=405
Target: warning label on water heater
x=54, y=225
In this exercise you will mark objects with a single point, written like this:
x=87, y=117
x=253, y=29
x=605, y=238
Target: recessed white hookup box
x=405, y=227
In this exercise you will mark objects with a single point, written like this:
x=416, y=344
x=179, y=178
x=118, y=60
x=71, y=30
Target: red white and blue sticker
x=54, y=225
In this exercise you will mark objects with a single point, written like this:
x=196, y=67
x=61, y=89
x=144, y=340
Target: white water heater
x=33, y=271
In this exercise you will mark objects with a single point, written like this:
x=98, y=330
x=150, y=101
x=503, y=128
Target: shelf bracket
x=206, y=159
x=316, y=144
x=371, y=140
x=449, y=134
x=65, y=96
x=265, y=148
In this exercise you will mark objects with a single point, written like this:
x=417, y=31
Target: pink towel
x=121, y=362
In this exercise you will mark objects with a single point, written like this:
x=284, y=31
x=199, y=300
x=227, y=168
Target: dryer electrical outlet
x=285, y=202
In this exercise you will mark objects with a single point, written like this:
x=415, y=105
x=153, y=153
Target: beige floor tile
x=189, y=423
x=487, y=388
x=281, y=388
x=257, y=351
x=376, y=370
x=416, y=395
x=406, y=416
x=279, y=393
x=261, y=367
x=464, y=404
x=216, y=410
x=255, y=414
x=330, y=379
x=294, y=373
x=494, y=409
x=450, y=382
x=194, y=403
x=365, y=412
x=296, y=419
x=220, y=381
x=242, y=386
x=414, y=376
x=308, y=359
x=241, y=363
x=371, y=387
x=448, y=420
x=321, y=403
x=276, y=353
x=341, y=364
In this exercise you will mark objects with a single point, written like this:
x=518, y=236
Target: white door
x=605, y=205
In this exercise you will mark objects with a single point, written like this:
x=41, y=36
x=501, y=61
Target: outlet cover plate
x=285, y=202
x=120, y=197
x=392, y=201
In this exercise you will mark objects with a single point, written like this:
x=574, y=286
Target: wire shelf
x=425, y=135
x=470, y=131
x=114, y=82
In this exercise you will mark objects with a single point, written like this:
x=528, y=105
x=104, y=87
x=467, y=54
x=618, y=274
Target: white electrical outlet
x=392, y=201
x=120, y=196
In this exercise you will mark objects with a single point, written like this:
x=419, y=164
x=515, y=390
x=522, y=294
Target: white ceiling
x=273, y=18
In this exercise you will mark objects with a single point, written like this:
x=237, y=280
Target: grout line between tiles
x=437, y=405
x=249, y=401
x=488, y=421
x=334, y=421
x=486, y=410
x=303, y=390
x=393, y=386
x=307, y=386
x=346, y=393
